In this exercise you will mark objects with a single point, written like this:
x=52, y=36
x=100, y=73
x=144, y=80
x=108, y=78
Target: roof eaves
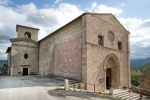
x=8, y=49
x=24, y=38
x=25, y=27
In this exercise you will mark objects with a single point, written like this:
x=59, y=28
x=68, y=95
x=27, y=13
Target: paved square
x=28, y=88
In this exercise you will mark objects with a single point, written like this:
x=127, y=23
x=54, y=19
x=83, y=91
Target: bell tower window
x=27, y=34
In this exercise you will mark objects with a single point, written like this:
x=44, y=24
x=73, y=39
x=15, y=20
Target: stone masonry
x=93, y=48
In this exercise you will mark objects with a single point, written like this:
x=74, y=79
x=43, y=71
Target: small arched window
x=27, y=34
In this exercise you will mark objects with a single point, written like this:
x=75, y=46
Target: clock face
x=25, y=55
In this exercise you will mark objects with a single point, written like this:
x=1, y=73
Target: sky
x=49, y=15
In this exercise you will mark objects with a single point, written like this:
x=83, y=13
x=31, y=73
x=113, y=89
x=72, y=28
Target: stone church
x=93, y=47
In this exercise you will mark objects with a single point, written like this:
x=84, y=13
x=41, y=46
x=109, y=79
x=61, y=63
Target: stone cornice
x=25, y=27
x=106, y=47
x=24, y=39
x=25, y=46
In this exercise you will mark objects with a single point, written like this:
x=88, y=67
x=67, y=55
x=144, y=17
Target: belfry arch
x=112, y=71
x=27, y=34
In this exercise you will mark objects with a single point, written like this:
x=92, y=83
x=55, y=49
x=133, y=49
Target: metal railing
x=94, y=86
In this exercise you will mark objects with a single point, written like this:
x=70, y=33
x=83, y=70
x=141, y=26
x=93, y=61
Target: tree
x=144, y=79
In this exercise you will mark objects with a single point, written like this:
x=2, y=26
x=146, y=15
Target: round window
x=25, y=55
x=111, y=36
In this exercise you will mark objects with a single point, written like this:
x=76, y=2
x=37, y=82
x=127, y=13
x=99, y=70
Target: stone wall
x=96, y=54
x=8, y=62
x=18, y=62
x=140, y=90
x=67, y=51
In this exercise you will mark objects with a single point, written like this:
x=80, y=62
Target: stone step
x=125, y=94
x=119, y=91
x=129, y=97
x=136, y=98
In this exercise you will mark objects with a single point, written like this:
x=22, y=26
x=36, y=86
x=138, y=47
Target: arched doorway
x=112, y=71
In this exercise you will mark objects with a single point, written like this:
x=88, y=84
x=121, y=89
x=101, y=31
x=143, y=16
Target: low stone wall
x=141, y=90
x=77, y=86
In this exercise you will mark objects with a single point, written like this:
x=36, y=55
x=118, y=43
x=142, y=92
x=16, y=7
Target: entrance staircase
x=125, y=94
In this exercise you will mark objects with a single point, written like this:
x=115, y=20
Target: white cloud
x=93, y=5
x=57, y=1
x=2, y=50
x=122, y=4
x=5, y=2
x=47, y=19
x=139, y=37
x=103, y=9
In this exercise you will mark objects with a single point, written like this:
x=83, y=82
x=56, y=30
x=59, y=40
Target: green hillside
x=139, y=62
x=136, y=72
x=139, y=67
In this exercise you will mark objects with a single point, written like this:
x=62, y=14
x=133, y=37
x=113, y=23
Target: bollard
x=111, y=91
x=66, y=84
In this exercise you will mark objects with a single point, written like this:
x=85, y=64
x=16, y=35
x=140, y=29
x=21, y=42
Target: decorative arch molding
x=114, y=58
x=115, y=70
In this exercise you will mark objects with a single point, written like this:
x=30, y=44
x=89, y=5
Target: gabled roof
x=108, y=17
x=24, y=39
x=8, y=49
x=63, y=26
x=25, y=27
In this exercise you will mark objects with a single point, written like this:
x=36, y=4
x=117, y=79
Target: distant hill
x=2, y=62
x=139, y=67
x=139, y=62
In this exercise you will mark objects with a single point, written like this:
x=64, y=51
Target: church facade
x=93, y=48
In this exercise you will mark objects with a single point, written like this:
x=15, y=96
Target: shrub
x=69, y=89
x=74, y=90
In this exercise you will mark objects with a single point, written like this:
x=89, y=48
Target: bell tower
x=24, y=31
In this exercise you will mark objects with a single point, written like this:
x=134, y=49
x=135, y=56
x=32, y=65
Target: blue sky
x=132, y=8
x=49, y=15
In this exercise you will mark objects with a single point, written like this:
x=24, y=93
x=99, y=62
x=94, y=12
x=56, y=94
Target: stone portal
x=112, y=71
